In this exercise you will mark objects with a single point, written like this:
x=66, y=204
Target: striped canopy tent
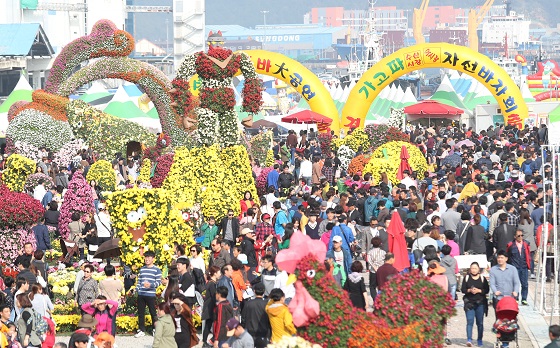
x=122, y=106
x=21, y=92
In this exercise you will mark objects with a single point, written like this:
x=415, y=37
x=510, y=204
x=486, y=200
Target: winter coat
x=165, y=333
x=281, y=321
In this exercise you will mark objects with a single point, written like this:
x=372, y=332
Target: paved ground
x=456, y=328
x=533, y=331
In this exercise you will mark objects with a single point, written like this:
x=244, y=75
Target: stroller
x=506, y=325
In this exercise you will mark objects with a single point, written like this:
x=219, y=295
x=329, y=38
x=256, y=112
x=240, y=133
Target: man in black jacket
x=285, y=181
x=248, y=248
x=255, y=319
x=229, y=229
x=503, y=234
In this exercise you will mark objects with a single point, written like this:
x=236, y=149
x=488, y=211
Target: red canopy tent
x=307, y=117
x=433, y=109
x=397, y=242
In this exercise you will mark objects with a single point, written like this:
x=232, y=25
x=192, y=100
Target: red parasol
x=307, y=117
x=404, y=163
x=397, y=243
x=432, y=109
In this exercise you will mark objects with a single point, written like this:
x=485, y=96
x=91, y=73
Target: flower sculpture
x=216, y=117
x=103, y=174
x=216, y=178
x=17, y=209
x=78, y=199
x=33, y=180
x=147, y=219
x=322, y=311
x=18, y=168
x=386, y=159
x=380, y=134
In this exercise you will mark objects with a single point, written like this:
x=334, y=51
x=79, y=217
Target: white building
x=515, y=26
x=63, y=20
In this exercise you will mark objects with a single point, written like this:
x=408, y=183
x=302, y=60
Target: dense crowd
x=486, y=193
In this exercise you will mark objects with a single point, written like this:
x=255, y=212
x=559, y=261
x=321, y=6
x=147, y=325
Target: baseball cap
x=243, y=258
x=337, y=239
x=231, y=325
x=245, y=231
x=265, y=216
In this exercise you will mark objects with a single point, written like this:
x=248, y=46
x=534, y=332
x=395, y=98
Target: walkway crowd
x=484, y=194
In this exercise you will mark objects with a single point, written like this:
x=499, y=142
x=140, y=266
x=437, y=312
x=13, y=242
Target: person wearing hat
x=85, y=327
x=238, y=336
x=340, y=255
x=436, y=274
x=264, y=235
x=104, y=340
x=255, y=319
x=248, y=248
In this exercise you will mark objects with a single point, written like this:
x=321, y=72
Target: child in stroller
x=506, y=325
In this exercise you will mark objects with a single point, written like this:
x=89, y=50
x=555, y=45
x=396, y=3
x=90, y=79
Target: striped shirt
x=375, y=258
x=151, y=275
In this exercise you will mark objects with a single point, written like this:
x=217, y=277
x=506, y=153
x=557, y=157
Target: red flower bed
x=18, y=209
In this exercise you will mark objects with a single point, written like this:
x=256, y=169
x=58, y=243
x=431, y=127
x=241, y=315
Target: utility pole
x=264, y=12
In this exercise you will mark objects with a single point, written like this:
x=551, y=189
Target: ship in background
x=367, y=41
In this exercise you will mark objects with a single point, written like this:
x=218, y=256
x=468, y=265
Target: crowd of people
x=486, y=196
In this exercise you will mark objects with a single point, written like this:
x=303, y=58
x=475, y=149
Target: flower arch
x=105, y=40
x=152, y=80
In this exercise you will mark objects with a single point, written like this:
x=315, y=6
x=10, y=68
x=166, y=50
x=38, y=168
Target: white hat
x=337, y=238
x=242, y=258
x=101, y=206
x=245, y=231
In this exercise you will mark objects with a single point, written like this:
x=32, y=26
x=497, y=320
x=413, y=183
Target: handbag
x=107, y=228
x=353, y=247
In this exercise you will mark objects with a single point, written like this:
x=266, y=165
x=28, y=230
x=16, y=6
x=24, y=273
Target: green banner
x=29, y=4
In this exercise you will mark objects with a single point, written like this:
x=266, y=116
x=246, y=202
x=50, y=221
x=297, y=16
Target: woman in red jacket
x=246, y=203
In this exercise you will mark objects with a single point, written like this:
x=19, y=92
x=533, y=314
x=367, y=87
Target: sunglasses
x=193, y=250
x=519, y=235
x=87, y=271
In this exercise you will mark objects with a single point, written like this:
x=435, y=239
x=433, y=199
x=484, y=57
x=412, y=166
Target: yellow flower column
x=154, y=209
x=379, y=163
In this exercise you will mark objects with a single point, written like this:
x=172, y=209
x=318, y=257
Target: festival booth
x=430, y=113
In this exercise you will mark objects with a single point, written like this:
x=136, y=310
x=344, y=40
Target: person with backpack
x=32, y=328
x=104, y=311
